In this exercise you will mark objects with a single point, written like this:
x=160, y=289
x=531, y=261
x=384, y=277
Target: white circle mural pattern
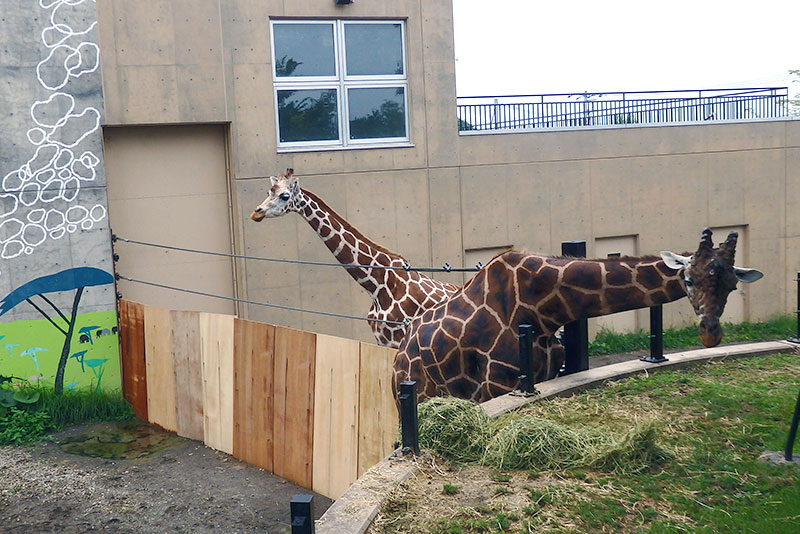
x=39, y=200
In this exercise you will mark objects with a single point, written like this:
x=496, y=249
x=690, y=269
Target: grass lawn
x=608, y=342
x=713, y=421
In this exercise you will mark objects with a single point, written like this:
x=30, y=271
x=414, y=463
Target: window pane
x=304, y=50
x=377, y=113
x=308, y=115
x=373, y=49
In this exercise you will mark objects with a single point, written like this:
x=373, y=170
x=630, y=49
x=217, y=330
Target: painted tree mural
x=76, y=279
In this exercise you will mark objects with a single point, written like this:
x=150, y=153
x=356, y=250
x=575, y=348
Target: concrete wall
x=448, y=196
x=53, y=213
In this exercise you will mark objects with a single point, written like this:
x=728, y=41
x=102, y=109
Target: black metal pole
x=576, y=333
x=408, y=416
x=302, y=510
x=527, y=380
x=656, y=336
x=792, y=431
x=796, y=338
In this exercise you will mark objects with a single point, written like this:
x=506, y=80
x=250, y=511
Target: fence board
x=160, y=368
x=134, y=371
x=253, y=362
x=216, y=349
x=378, y=419
x=188, y=373
x=335, y=463
x=294, y=405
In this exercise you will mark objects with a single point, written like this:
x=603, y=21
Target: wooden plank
x=132, y=355
x=335, y=463
x=216, y=350
x=188, y=373
x=293, y=427
x=378, y=420
x=160, y=368
x=253, y=349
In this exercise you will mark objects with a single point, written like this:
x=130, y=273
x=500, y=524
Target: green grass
x=715, y=420
x=50, y=413
x=608, y=342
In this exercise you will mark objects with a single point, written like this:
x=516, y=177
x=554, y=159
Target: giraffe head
x=284, y=196
x=709, y=276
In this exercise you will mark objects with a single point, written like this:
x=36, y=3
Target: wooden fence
x=314, y=409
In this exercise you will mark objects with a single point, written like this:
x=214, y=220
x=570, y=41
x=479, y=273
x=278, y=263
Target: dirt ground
x=182, y=486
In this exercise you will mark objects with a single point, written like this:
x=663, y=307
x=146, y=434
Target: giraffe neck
x=348, y=245
x=566, y=289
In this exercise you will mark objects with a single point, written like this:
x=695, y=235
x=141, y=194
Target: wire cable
x=407, y=267
x=119, y=276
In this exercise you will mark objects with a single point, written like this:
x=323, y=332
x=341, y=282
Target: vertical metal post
x=796, y=338
x=302, y=510
x=408, y=416
x=656, y=336
x=792, y=431
x=527, y=380
x=576, y=333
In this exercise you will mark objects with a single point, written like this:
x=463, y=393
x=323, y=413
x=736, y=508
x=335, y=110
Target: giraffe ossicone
x=466, y=346
x=398, y=294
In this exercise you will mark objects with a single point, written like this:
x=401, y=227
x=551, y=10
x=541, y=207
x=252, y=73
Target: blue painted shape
x=79, y=356
x=66, y=280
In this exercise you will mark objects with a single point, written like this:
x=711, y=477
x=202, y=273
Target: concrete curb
x=353, y=512
x=566, y=385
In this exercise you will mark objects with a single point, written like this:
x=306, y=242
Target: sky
x=508, y=47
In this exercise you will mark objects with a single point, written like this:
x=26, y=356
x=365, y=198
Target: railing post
x=576, y=333
x=656, y=336
x=796, y=338
x=527, y=380
x=787, y=453
x=408, y=416
x=302, y=510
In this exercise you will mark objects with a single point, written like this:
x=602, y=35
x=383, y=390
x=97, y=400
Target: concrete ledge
x=565, y=385
x=353, y=512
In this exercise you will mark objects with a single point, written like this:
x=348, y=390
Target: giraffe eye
x=689, y=283
x=284, y=196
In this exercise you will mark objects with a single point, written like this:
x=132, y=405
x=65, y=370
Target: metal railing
x=585, y=110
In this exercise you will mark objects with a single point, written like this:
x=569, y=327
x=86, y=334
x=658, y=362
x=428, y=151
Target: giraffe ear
x=675, y=261
x=273, y=180
x=747, y=275
x=294, y=185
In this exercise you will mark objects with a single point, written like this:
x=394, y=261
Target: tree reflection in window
x=384, y=116
x=308, y=115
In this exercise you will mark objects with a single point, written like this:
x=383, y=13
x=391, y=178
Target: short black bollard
x=656, y=336
x=576, y=333
x=796, y=338
x=302, y=509
x=408, y=416
x=527, y=380
x=787, y=454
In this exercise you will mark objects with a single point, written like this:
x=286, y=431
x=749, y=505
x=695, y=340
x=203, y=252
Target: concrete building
x=202, y=100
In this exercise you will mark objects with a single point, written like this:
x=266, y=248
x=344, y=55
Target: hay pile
x=461, y=432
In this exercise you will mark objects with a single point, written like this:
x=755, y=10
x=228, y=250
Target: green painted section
x=30, y=350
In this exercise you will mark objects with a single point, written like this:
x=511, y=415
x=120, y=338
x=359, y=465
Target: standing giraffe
x=397, y=294
x=466, y=346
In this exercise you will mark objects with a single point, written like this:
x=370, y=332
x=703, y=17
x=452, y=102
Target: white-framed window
x=340, y=83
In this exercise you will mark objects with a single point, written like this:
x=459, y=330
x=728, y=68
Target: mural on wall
x=77, y=279
x=29, y=213
x=53, y=192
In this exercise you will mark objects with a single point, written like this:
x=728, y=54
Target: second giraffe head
x=283, y=197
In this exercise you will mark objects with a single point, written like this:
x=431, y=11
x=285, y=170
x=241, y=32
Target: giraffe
x=466, y=346
x=398, y=295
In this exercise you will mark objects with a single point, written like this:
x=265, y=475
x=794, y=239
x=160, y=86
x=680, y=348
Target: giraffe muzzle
x=710, y=331
x=258, y=215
